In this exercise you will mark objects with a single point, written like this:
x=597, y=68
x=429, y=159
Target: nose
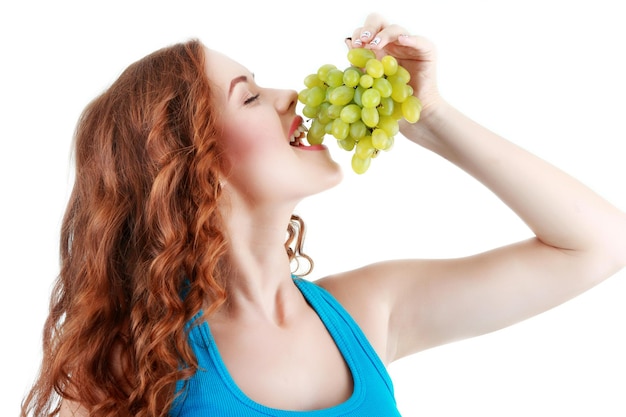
x=287, y=101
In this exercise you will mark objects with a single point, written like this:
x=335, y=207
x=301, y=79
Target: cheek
x=240, y=140
x=252, y=144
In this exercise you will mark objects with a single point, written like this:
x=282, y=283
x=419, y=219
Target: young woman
x=176, y=295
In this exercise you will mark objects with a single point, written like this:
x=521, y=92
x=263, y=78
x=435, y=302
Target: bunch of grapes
x=360, y=106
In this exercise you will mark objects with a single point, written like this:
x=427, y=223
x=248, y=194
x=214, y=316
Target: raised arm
x=580, y=239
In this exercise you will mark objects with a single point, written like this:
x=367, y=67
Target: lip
x=297, y=121
x=312, y=147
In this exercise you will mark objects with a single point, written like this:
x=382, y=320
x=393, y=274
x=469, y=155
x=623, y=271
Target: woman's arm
x=580, y=239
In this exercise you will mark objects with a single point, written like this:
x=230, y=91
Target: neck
x=259, y=283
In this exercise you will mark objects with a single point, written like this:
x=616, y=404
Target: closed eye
x=251, y=99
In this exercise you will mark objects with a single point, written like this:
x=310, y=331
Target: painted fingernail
x=375, y=41
x=358, y=42
x=366, y=34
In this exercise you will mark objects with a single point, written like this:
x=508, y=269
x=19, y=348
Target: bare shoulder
x=354, y=288
x=364, y=294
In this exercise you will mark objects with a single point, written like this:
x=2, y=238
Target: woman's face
x=257, y=129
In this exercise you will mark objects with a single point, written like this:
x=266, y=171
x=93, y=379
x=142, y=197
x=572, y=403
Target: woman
x=176, y=294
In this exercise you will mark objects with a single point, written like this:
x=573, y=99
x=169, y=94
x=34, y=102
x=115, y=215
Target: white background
x=548, y=75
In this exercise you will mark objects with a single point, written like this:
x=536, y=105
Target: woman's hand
x=415, y=53
x=579, y=238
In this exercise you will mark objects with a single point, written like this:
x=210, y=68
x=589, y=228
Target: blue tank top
x=211, y=391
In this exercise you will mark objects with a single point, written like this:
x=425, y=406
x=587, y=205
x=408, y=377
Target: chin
x=338, y=174
x=331, y=177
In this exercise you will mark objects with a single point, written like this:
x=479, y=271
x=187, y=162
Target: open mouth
x=298, y=135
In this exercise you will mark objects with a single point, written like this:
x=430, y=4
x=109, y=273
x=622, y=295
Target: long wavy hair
x=141, y=229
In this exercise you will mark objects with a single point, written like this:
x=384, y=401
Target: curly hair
x=141, y=228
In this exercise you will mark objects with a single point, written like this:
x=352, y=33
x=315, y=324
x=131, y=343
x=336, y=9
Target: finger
x=385, y=36
x=421, y=47
x=416, y=42
x=364, y=34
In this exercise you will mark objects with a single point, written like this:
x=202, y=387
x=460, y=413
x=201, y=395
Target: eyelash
x=251, y=99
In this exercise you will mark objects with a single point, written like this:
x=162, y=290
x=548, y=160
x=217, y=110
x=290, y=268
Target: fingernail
x=358, y=42
x=375, y=41
x=366, y=34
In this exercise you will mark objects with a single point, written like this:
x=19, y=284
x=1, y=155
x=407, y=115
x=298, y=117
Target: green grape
x=351, y=77
x=390, y=64
x=310, y=111
x=360, y=106
x=341, y=95
x=360, y=165
x=359, y=56
x=315, y=135
x=411, y=109
x=366, y=81
x=347, y=144
x=383, y=86
x=329, y=90
x=358, y=129
x=386, y=106
x=364, y=148
x=380, y=139
x=340, y=129
x=316, y=129
x=397, y=111
x=358, y=92
x=302, y=95
x=334, y=78
x=370, y=116
x=350, y=113
x=403, y=75
x=375, y=68
x=323, y=116
x=400, y=92
x=334, y=111
x=313, y=80
x=322, y=72
x=314, y=140
x=389, y=125
x=370, y=98
x=315, y=96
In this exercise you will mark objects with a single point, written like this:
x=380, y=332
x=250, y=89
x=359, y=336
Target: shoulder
x=363, y=294
x=373, y=285
x=380, y=295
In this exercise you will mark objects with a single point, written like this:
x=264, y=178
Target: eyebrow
x=235, y=81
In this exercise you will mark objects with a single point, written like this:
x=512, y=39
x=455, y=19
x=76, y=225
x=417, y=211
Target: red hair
x=142, y=247
x=141, y=227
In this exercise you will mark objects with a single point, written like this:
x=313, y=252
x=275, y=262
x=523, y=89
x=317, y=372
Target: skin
x=403, y=306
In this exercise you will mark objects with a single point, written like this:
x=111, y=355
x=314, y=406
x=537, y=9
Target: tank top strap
x=342, y=327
